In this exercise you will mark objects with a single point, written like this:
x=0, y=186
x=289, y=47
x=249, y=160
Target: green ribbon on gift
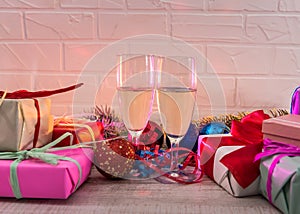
x=41, y=154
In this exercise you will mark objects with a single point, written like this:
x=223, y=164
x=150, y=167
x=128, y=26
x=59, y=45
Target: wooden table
x=100, y=195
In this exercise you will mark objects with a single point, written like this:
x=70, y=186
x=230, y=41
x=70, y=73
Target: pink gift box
x=284, y=129
x=38, y=179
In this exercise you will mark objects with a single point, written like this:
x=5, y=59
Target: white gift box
x=225, y=179
x=21, y=120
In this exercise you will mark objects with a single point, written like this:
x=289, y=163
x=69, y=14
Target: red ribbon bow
x=240, y=162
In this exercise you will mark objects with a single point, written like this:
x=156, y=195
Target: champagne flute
x=135, y=87
x=176, y=96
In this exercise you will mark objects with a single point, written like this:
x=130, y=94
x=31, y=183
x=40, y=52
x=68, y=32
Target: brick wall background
x=253, y=45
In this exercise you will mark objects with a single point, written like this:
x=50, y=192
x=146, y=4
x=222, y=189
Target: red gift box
x=81, y=130
x=284, y=129
x=246, y=133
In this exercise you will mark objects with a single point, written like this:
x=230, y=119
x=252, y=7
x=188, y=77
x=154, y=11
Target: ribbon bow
x=36, y=153
x=272, y=148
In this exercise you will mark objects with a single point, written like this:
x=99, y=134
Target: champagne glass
x=176, y=96
x=135, y=88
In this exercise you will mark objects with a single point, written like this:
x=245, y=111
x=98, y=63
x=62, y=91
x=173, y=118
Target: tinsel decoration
x=277, y=112
x=228, y=118
x=112, y=124
x=106, y=114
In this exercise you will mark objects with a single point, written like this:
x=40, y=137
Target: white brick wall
x=207, y=27
x=11, y=25
x=60, y=25
x=261, y=92
x=235, y=59
x=30, y=56
x=252, y=47
x=28, y=4
x=277, y=29
x=79, y=4
x=121, y=25
x=236, y=5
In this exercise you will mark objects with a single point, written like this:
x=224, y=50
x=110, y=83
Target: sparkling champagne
x=136, y=107
x=176, y=105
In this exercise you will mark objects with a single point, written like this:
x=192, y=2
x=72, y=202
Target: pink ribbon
x=273, y=148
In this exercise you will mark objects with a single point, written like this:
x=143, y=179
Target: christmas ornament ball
x=152, y=135
x=114, y=158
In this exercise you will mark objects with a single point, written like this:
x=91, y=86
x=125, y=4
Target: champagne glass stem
x=174, y=152
x=135, y=139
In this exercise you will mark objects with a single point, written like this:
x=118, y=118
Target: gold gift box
x=20, y=119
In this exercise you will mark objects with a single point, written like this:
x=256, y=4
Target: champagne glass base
x=187, y=176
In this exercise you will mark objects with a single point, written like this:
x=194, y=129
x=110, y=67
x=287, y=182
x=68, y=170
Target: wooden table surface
x=100, y=195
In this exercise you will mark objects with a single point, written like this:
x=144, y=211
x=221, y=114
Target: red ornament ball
x=114, y=158
x=152, y=135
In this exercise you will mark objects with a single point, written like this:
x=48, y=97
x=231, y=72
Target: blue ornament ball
x=190, y=140
x=215, y=128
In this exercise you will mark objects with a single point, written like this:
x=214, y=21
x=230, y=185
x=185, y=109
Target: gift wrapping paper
x=82, y=131
x=228, y=159
x=226, y=179
x=230, y=163
x=25, y=123
x=207, y=147
x=38, y=179
x=285, y=183
x=285, y=129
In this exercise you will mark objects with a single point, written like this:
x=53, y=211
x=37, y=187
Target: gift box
x=280, y=176
x=226, y=176
x=285, y=183
x=82, y=131
x=295, y=102
x=229, y=159
x=25, y=118
x=25, y=123
x=284, y=129
x=34, y=178
x=207, y=147
x=230, y=163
